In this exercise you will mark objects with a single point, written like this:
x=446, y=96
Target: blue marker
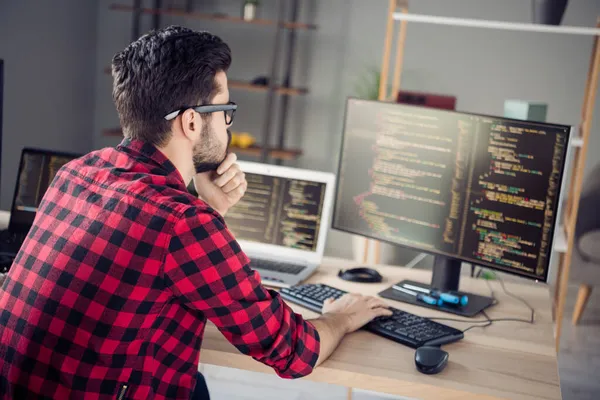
x=446, y=297
x=451, y=298
x=420, y=296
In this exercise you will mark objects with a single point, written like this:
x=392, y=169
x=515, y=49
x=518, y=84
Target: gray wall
x=49, y=52
x=481, y=67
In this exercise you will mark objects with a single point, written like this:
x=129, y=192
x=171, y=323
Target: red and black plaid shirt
x=113, y=286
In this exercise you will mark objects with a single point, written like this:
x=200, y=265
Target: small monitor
x=279, y=210
x=37, y=170
x=285, y=211
x=463, y=187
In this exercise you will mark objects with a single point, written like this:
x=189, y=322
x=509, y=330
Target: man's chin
x=206, y=167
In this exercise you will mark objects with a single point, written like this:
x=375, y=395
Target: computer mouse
x=430, y=359
x=360, y=274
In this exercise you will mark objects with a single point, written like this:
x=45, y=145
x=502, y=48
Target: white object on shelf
x=482, y=23
x=577, y=142
x=560, y=240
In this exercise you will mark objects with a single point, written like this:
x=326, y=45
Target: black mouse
x=430, y=360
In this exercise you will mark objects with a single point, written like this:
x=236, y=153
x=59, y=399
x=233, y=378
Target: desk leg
x=349, y=394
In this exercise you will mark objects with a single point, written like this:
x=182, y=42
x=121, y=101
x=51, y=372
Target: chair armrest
x=588, y=246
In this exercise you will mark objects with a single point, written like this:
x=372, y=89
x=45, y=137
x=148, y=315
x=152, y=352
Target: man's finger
x=375, y=302
x=227, y=176
x=236, y=182
x=381, y=312
x=242, y=188
x=227, y=163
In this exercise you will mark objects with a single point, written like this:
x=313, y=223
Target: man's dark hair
x=161, y=72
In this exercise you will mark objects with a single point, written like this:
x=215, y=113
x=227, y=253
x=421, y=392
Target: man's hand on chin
x=224, y=188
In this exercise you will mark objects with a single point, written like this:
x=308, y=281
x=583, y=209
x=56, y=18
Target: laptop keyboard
x=11, y=242
x=277, y=266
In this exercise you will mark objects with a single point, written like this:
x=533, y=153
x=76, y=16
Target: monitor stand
x=446, y=277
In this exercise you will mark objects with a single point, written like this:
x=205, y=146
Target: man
x=110, y=293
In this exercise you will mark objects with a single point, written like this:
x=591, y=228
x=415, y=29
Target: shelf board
x=502, y=25
x=276, y=153
x=262, y=88
x=251, y=87
x=213, y=17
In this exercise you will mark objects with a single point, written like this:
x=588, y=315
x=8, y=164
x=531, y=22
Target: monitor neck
x=446, y=274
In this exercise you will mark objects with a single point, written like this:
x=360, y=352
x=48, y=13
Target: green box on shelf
x=525, y=110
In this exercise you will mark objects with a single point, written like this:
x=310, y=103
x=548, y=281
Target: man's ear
x=191, y=124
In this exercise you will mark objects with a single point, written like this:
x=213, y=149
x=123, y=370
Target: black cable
x=488, y=321
x=531, y=320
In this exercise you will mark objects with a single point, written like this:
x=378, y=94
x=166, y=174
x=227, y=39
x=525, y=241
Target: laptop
x=281, y=223
x=37, y=170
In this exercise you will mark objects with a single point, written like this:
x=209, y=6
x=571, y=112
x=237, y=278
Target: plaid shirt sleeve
x=206, y=269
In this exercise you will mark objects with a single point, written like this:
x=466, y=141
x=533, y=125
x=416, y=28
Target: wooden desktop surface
x=508, y=360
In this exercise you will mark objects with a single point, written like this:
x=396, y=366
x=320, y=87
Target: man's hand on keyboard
x=358, y=309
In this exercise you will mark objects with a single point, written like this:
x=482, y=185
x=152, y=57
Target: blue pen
x=420, y=296
x=446, y=297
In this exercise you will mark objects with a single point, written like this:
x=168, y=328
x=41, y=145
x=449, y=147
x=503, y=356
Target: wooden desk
x=508, y=360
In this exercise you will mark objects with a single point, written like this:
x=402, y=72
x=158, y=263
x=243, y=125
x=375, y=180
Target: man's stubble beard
x=207, y=152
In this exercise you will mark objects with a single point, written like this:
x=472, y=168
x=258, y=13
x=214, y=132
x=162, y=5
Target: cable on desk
x=489, y=321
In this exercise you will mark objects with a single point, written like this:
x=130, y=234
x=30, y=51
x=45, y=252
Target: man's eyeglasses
x=228, y=109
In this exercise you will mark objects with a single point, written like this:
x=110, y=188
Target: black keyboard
x=277, y=266
x=402, y=327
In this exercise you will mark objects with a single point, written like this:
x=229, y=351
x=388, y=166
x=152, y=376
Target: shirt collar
x=147, y=153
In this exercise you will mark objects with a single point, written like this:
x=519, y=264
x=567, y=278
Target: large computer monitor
x=462, y=187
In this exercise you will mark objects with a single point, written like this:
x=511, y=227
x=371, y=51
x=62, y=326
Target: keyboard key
x=401, y=331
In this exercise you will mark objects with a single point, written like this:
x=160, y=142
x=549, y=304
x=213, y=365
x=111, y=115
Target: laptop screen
x=36, y=172
x=279, y=211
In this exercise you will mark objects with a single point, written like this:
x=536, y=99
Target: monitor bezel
x=13, y=226
x=568, y=129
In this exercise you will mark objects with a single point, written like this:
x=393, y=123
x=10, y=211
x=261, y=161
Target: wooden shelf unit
x=213, y=17
x=284, y=28
x=252, y=87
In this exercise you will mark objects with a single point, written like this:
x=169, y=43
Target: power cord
x=488, y=321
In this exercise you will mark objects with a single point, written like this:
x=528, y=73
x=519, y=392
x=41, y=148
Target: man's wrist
x=337, y=321
x=221, y=212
